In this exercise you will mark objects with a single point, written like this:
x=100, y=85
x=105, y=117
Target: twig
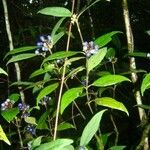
x=130, y=42
x=62, y=78
x=11, y=47
x=144, y=138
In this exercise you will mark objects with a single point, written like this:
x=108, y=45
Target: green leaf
x=109, y=80
x=3, y=136
x=56, y=27
x=68, y=147
x=143, y=106
x=74, y=72
x=117, y=148
x=65, y=126
x=69, y=96
x=30, y=120
x=35, y=142
x=3, y=71
x=42, y=121
x=138, y=54
x=20, y=50
x=47, y=90
x=91, y=128
x=145, y=83
x=55, y=145
x=10, y=114
x=60, y=55
x=106, y=38
x=21, y=57
x=22, y=83
x=14, y=97
x=96, y=59
x=111, y=103
x=57, y=37
x=56, y=11
x=110, y=53
x=68, y=61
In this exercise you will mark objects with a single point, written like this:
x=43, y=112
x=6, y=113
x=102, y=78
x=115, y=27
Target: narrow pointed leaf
x=21, y=57
x=57, y=37
x=145, y=83
x=65, y=126
x=96, y=59
x=143, y=106
x=47, y=90
x=10, y=114
x=138, y=54
x=20, y=50
x=91, y=128
x=117, y=148
x=56, y=27
x=3, y=71
x=106, y=38
x=55, y=145
x=42, y=121
x=56, y=11
x=109, y=80
x=60, y=55
x=111, y=103
x=3, y=136
x=70, y=96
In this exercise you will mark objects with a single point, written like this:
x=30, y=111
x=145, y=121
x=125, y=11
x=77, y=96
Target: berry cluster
x=90, y=48
x=25, y=109
x=31, y=129
x=44, y=44
x=44, y=101
x=7, y=104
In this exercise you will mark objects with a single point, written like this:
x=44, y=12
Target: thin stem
x=115, y=128
x=62, y=79
x=19, y=134
x=79, y=30
x=87, y=91
x=11, y=47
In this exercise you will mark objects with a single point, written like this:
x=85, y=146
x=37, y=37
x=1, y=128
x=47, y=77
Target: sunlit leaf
x=56, y=11
x=145, y=83
x=2, y=71
x=106, y=38
x=47, y=90
x=109, y=80
x=20, y=50
x=111, y=103
x=10, y=114
x=69, y=96
x=91, y=128
x=3, y=136
x=96, y=59
x=55, y=145
x=21, y=57
x=68, y=147
x=30, y=120
x=65, y=126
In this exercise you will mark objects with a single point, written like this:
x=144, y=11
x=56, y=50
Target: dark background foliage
x=27, y=25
